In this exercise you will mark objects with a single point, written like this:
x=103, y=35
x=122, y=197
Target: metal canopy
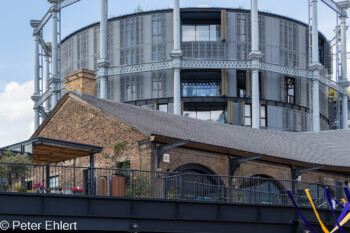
x=48, y=150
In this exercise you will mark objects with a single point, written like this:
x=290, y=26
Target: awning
x=48, y=150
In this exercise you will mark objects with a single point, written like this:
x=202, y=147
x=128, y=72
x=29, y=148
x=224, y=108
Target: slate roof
x=330, y=148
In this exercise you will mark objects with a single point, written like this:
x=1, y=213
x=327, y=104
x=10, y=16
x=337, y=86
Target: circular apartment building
x=215, y=77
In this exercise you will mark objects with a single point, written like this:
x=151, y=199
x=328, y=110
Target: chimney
x=82, y=81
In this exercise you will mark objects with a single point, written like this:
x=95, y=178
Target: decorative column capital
x=176, y=56
x=35, y=97
x=255, y=55
x=345, y=85
x=345, y=4
x=102, y=63
x=35, y=24
x=315, y=66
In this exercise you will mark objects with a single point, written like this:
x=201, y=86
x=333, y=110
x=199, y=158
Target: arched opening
x=318, y=195
x=261, y=189
x=194, y=182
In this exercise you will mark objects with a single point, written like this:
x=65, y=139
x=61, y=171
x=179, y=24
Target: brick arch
x=277, y=183
x=196, y=167
x=181, y=156
x=200, y=173
x=273, y=189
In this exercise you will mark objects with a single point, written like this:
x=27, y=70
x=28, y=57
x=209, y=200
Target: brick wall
x=81, y=123
x=219, y=164
x=82, y=81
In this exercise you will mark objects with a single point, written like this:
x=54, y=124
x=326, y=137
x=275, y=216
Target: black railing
x=46, y=179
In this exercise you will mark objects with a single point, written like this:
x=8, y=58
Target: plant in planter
x=78, y=190
x=20, y=188
x=39, y=188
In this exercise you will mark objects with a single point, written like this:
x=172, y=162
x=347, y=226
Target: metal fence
x=112, y=182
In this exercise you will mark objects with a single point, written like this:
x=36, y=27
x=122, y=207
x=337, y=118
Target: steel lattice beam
x=334, y=6
x=66, y=3
x=45, y=19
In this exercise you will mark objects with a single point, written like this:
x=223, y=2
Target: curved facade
x=208, y=34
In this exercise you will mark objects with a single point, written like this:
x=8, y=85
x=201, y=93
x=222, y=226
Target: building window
x=248, y=114
x=147, y=106
x=289, y=90
x=54, y=182
x=241, y=83
x=201, y=32
x=131, y=87
x=131, y=40
x=201, y=88
x=163, y=107
x=158, y=84
x=157, y=29
x=157, y=37
x=263, y=118
x=216, y=114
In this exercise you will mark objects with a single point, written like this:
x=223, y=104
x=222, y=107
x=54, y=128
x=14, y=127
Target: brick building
x=212, y=147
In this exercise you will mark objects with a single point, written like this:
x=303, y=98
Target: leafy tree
x=14, y=167
x=138, y=9
x=11, y=157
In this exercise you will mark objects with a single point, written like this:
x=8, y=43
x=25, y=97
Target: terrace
x=127, y=200
x=112, y=182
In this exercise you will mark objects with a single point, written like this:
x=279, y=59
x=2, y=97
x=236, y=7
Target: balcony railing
x=110, y=182
x=211, y=50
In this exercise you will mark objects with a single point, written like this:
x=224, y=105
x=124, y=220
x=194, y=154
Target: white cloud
x=16, y=113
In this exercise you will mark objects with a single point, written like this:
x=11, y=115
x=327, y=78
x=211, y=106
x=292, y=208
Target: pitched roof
x=330, y=148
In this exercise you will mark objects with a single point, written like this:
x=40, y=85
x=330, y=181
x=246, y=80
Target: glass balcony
x=193, y=89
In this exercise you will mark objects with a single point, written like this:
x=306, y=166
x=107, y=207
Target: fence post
x=43, y=174
x=47, y=176
x=218, y=188
x=165, y=181
x=132, y=183
x=92, y=175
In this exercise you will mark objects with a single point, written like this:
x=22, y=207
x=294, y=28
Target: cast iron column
x=103, y=64
x=315, y=67
x=36, y=94
x=54, y=79
x=176, y=55
x=255, y=57
x=46, y=80
x=344, y=70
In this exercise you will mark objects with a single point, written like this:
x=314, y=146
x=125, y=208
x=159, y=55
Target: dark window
x=241, y=83
x=289, y=88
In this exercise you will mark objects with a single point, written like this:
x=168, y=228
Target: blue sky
x=16, y=44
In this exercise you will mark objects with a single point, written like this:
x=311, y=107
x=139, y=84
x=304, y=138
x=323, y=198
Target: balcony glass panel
x=201, y=88
x=206, y=113
x=188, y=33
x=200, y=32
